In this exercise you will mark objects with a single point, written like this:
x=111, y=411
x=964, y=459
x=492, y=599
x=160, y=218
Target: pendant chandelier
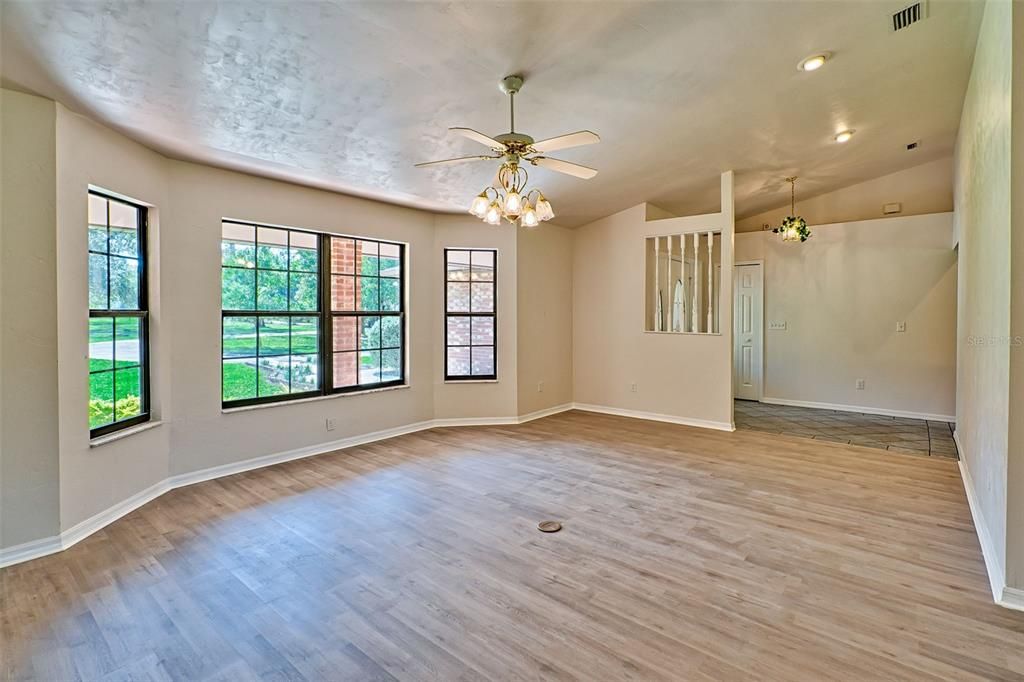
x=509, y=199
x=793, y=228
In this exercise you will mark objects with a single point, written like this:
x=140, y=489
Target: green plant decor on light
x=793, y=227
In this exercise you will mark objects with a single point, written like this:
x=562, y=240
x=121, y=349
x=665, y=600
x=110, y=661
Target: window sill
x=470, y=381
x=316, y=398
x=118, y=435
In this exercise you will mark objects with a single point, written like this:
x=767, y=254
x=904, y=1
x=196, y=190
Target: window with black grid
x=367, y=313
x=271, y=314
x=470, y=314
x=118, y=314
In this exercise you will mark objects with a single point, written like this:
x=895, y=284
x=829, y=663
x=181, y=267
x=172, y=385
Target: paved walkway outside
x=898, y=434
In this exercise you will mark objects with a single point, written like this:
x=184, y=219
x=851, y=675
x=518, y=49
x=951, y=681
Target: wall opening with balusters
x=683, y=283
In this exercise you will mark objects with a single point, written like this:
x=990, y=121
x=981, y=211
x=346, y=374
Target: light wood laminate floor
x=686, y=554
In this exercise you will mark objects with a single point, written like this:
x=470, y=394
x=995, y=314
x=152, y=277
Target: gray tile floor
x=897, y=434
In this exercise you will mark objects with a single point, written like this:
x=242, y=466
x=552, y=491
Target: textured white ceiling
x=348, y=95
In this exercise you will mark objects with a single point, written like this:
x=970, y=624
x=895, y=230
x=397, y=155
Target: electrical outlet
x=330, y=424
x=540, y=387
x=901, y=327
x=777, y=324
x=632, y=388
x=860, y=384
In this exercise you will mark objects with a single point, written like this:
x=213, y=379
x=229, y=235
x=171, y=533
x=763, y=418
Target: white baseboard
x=1008, y=597
x=654, y=416
x=44, y=546
x=858, y=408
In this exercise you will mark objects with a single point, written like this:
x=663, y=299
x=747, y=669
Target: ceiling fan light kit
x=509, y=197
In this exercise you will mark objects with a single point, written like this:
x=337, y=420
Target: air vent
x=909, y=15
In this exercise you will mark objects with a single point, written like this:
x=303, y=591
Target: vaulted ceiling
x=349, y=95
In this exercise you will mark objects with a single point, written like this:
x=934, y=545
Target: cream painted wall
x=1015, y=439
x=610, y=349
x=982, y=200
x=462, y=399
x=544, y=329
x=841, y=294
x=922, y=189
x=204, y=436
x=89, y=154
x=190, y=432
x=29, y=447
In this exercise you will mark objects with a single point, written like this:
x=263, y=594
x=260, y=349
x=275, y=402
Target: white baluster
x=711, y=284
x=657, y=265
x=695, y=303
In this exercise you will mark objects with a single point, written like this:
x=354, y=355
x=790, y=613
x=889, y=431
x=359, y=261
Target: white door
x=748, y=335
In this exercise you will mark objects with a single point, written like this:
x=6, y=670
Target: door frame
x=764, y=325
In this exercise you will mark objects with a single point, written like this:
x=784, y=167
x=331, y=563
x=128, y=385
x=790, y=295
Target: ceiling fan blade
x=563, y=167
x=479, y=137
x=576, y=139
x=459, y=159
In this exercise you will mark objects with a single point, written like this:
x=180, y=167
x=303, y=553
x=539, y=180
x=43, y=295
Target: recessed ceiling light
x=814, y=62
x=844, y=136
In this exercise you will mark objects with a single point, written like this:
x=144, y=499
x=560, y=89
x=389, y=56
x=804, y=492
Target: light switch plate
x=901, y=327
x=777, y=324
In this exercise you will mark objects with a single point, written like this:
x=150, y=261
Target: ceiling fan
x=510, y=199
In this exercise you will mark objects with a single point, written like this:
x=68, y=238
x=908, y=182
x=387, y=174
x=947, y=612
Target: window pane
x=98, y=238
x=239, y=379
x=128, y=401
x=483, y=331
x=272, y=248
x=101, y=399
x=343, y=293
x=458, y=266
x=369, y=367
x=391, y=331
x=124, y=283
x=124, y=241
x=390, y=298
x=101, y=343
x=483, y=298
x=273, y=376
x=240, y=339
x=458, y=361
x=483, y=266
x=238, y=245
x=369, y=264
x=238, y=289
x=305, y=335
x=344, y=333
x=303, y=252
x=367, y=248
x=458, y=331
x=458, y=298
x=123, y=215
x=303, y=291
x=305, y=373
x=127, y=344
x=389, y=260
x=483, y=360
x=345, y=373
x=97, y=210
x=369, y=332
x=368, y=293
x=391, y=365
x=274, y=335
x=272, y=290
x=343, y=256
x=98, y=282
